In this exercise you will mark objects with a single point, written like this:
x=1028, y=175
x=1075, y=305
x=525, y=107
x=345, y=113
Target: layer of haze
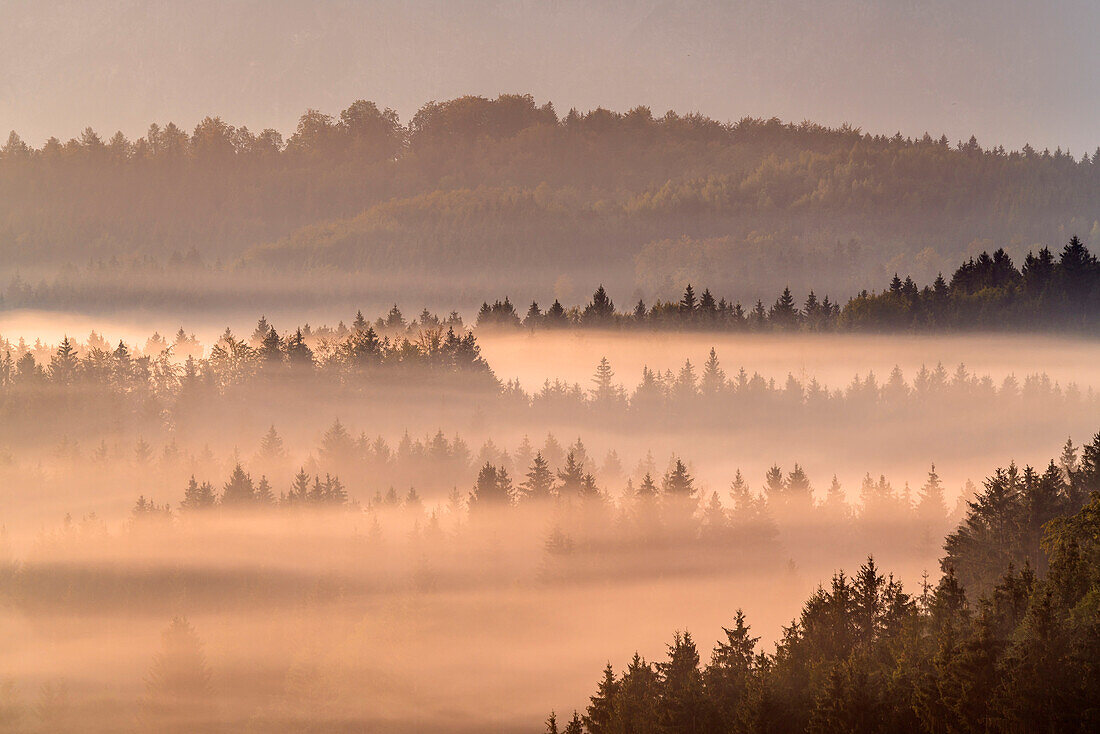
x=425, y=616
x=1009, y=72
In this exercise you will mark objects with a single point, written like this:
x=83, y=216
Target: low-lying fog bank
x=831, y=358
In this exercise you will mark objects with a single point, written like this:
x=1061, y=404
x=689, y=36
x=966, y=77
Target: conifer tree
x=571, y=477
x=688, y=303
x=799, y=493
x=686, y=385
x=556, y=316
x=728, y=676
x=600, y=714
x=603, y=390
x=493, y=488
x=271, y=445
x=64, y=363
x=714, y=378
x=271, y=348
x=239, y=489
x=678, y=482
x=681, y=706
x=259, y=333
x=931, y=505
x=835, y=506
x=636, y=704
x=775, y=488
x=708, y=309
x=648, y=488
x=534, y=315
x=198, y=496
x=715, y=522
x=601, y=310
x=298, y=353
x=784, y=314
x=264, y=495
x=540, y=479
x=299, y=489
x=178, y=694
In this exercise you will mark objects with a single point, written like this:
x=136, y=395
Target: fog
x=833, y=359
x=404, y=586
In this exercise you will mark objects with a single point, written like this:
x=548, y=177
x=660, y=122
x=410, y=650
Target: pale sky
x=1011, y=72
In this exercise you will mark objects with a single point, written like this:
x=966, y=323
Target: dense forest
x=986, y=292
x=1006, y=641
x=650, y=202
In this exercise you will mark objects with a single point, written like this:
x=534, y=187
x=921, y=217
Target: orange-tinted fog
x=425, y=609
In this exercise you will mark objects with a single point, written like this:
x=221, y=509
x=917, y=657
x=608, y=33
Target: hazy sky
x=1010, y=71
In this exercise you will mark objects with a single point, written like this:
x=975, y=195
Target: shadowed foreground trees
x=1016, y=654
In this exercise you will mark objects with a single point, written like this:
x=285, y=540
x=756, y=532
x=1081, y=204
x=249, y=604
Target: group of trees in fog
x=1006, y=641
x=646, y=200
x=1002, y=527
x=152, y=390
x=240, y=491
x=987, y=292
x=105, y=385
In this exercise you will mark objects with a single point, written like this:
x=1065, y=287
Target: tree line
x=471, y=182
x=1000, y=526
x=987, y=292
x=1014, y=650
x=77, y=389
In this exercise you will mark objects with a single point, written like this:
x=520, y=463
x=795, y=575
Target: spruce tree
x=784, y=314
x=264, y=495
x=271, y=445
x=682, y=706
x=571, y=477
x=239, y=489
x=64, y=363
x=178, y=694
x=799, y=493
x=599, y=716
x=540, y=479
x=259, y=333
x=601, y=310
x=271, y=348
x=728, y=676
x=604, y=390
x=298, y=353
x=493, y=488
x=688, y=303
x=714, y=378
x=198, y=496
x=708, y=309
x=299, y=489
x=533, y=317
x=931, y=505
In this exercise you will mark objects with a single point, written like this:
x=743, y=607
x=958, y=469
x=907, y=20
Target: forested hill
x=472, y=189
